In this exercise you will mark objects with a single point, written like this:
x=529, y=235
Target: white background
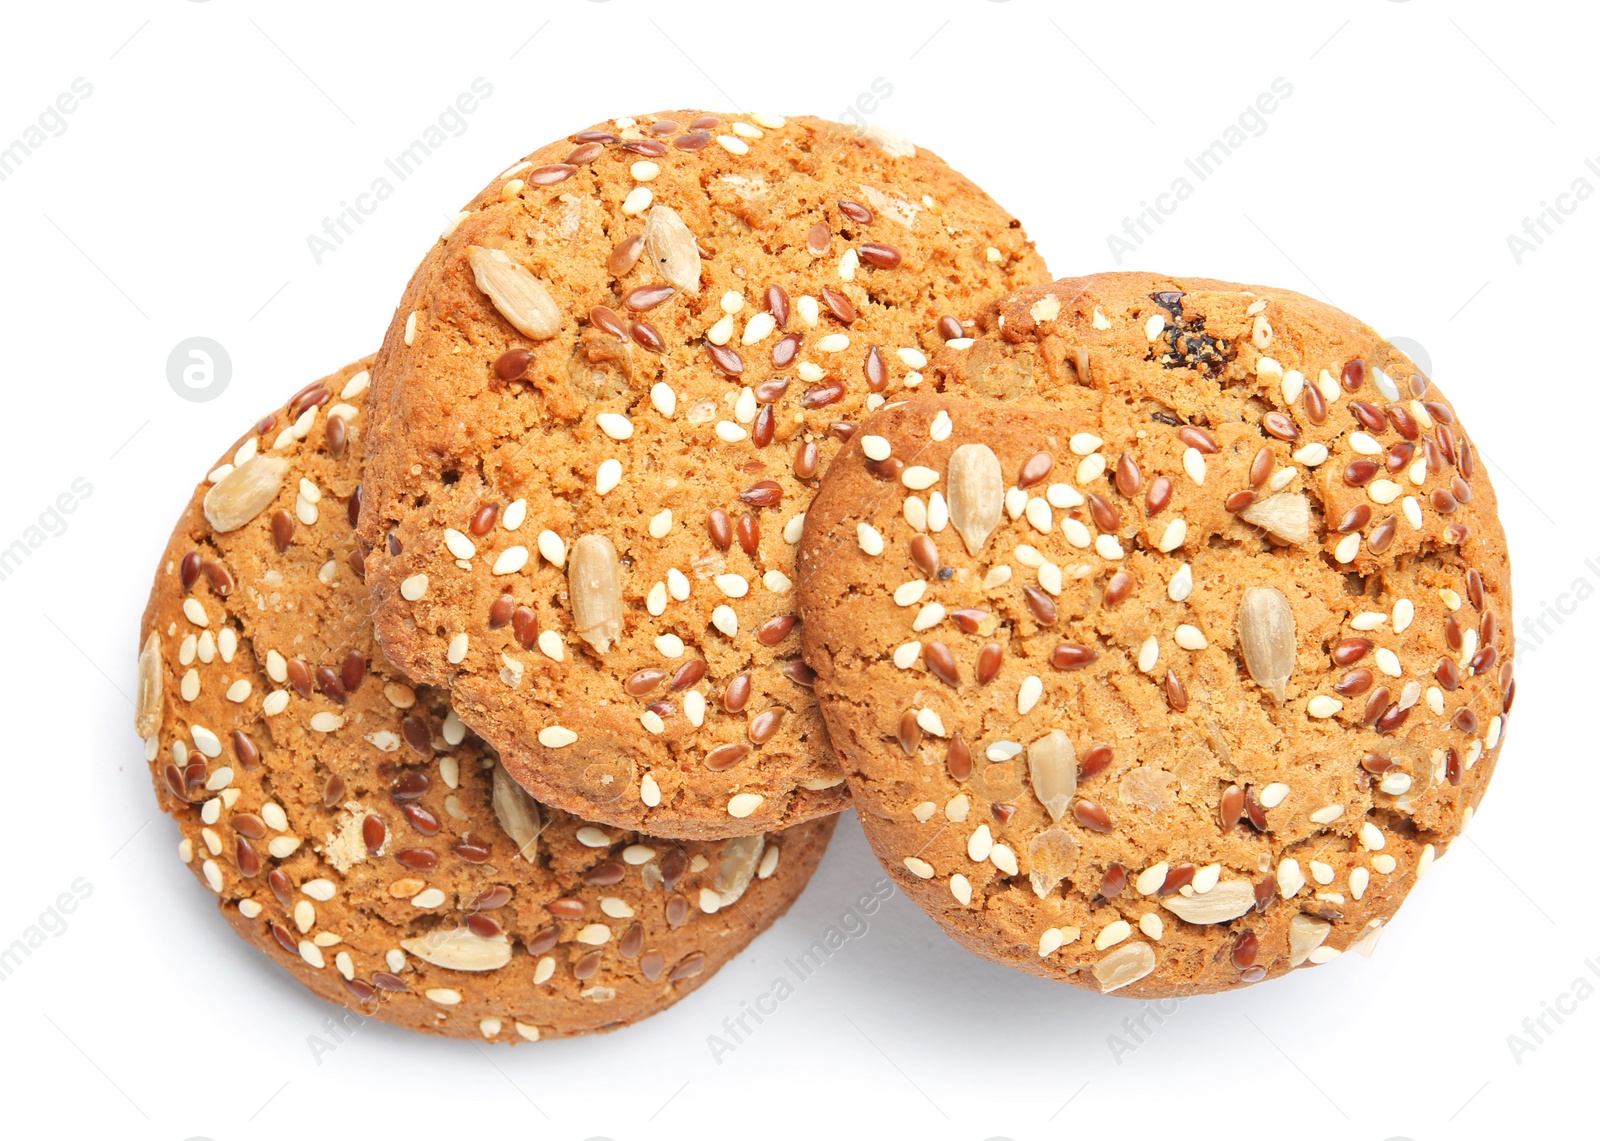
x=177, y=203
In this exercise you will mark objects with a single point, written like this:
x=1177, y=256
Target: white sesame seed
x=553, y=548
x=644, y=171
x=1153, y=326
x=979, y=844
x=1371, y=837
x=1274, y=794
x=868, y=539
x=411, y=327
x=458, y=544
x=1092, y=468
x=649, y=791
x=1172, y=538
x=669, y=645
x=930, y=722
x=941, y=427
x=1028, y=694
x=722, y=331
x=770, y=122
x=1294, y=383
x=928, y=617
x=998, y=575
x=513, y=516
x=1281, y=479
x=910, y=593
x=1028, y=556
x=615, y=425
x=551, y=645
x=1323, y=706
x=1063, y=495
x=875, y=447
x=1189, y=637
x=1385, y=863
x=1112, y=934
x=1368, y=620
x=556, y=736
x=961, y=888
x=1387, y=661
x=274, y=817
x=907, y=654
x=1149, y=881
x=1425, y=861
x=938, y=512
x=1107, y=547
x=194, y=612
x=1050, y=578
x=777, y=582
x=833, y=343
x=1385, y=385
x=758, y=328
x=1347, y=548
x=281, y=847
x=1268, y=368
x=919, y=868
x=1016, y=502
x=325, y=722
x=724, y=619
x=456, y=652
x=1290, y=878
x=732, y=585
x=919, y=478
x=1327, y=814
x=1148, y=653
x=655, y=601
x=1491, y=735
x=744, y=804
x=809, y=310
x=734, y=146
x=1383, y=491
x=1206, y=878
x=1311, y=455
x=1150, y=924
x=694, y=707
x=1417, y=473
x=1194, y=465
x=637, y=201
x=189, y=686
x=1182, y=584
x=848, y=264
x=1364, y=444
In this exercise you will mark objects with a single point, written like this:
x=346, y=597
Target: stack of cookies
x=719, y=472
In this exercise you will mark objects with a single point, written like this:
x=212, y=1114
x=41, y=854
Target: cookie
x=349, y=824
x=1171, y=660
x=600, y=413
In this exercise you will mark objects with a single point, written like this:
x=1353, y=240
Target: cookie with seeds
x=1168, y=656
x=600, y=413
x=350, y=825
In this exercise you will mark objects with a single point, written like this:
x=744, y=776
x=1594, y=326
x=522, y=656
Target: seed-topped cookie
x=351, y=826
x=601, y=410
x=1172, y=659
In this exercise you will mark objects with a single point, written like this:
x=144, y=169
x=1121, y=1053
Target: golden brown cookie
x=1173, y=658
x=353, y=828
x=600, y=412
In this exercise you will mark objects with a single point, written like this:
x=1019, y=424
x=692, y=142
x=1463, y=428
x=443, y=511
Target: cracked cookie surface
x=600, y=412
x=349, y=824
x=1167, y=644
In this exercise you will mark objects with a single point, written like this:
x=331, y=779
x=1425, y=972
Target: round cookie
x=600, y=412
x=1175, y=662
x=350, y=825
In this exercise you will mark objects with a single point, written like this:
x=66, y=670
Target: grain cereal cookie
x=600, y=412
x=1170, y=657
x=353, y=828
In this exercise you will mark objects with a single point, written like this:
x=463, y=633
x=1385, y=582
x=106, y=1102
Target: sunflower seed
x=1127, y=964
x=1054, y=857
x=147, y=714
x=1053, y=771
x=740, y=858
x=594, y=577
x=1306, y=934
x=1267, y=638
x=977, y=494
x=459, y=949
x=244, y=493
x=1287, y=515
x=1224, y=902
x=672, y=248
x=517, y=812
x=521, y=298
